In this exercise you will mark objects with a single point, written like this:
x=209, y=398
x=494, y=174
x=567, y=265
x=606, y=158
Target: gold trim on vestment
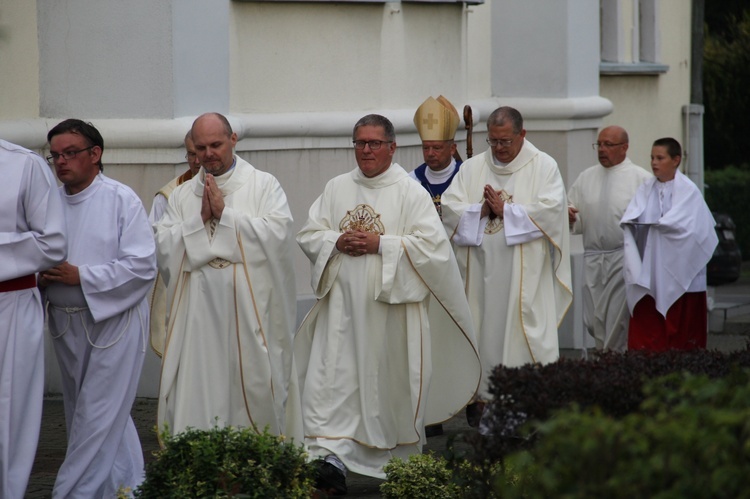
x=362, y=218
x=263, y=337
x=219, y=263
x=458, y=326
x=363, y=444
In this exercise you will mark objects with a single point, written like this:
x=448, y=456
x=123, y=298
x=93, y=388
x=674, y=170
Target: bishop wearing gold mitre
x=436, y=121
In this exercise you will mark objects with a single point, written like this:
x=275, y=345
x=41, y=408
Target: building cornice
x=161, y=140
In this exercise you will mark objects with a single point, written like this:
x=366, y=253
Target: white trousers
x=99, y=385
x=21, y=387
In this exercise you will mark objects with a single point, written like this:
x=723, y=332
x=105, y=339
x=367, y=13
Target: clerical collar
x=442, y=176
x=234, y=163
x=497, y=163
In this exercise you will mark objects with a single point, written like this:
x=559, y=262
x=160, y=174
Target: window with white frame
x=630, y=37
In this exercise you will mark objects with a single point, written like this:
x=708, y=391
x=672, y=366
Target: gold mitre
x=436, y=119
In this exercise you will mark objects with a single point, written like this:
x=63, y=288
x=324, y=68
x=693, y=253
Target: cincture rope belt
x=70, y=311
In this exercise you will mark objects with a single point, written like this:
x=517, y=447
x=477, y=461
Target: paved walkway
x=52, y=442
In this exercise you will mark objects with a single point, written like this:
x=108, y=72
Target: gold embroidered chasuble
x=373, y=371
x=518, y=294
x=231, y=292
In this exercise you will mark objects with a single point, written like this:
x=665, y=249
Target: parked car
x=725, y=265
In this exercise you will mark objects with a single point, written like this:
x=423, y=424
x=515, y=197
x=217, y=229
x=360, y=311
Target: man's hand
x=212, y=205
x=64, y=273
x=356, y=243
x=493, y=203
x=572, y=215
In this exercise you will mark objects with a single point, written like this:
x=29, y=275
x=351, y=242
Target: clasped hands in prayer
x=212, y=205
x=358, y=243
x=493, y=203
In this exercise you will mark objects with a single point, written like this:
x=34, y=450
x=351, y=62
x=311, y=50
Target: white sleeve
x=519, y=228
x=158, y=207
x=470, y=230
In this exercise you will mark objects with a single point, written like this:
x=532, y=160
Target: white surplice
x=231, y=294
x=372, y=368
x=677, y=242
x=99, y=330
x=516, y=269
x=601, y=195
x=32, y=238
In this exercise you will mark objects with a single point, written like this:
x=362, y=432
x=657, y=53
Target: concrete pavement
x=726, y=335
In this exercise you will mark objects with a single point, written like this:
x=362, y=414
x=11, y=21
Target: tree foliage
x=726, y=79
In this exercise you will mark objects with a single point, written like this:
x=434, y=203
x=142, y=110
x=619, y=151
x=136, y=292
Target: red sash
x=19, y=283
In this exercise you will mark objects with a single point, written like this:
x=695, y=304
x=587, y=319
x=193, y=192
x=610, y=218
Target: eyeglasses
x=500, y=142
x=605, y=145
x=68, y=155
x=374, y=144
x=191, y=156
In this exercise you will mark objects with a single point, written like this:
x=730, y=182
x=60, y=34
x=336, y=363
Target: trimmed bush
x=691, y=438
x=427, y=476
x=611, y=381
x=227, y=462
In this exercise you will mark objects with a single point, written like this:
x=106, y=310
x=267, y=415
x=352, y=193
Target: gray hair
x=377, y=121
x=501, y=115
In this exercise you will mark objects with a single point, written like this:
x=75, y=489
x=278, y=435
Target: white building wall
x=19, y=60
x=650, y=106
x=294, y=77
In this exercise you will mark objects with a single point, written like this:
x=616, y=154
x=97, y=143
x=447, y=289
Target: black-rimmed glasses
x=68, y=155
x=374, y=144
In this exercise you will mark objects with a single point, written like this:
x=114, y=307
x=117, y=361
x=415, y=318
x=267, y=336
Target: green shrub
x=422, y=476
x=427, y=476
x=690, y=438
x=611, y=381
x=227, y=462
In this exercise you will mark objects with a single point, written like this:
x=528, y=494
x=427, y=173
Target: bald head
x=612, y=146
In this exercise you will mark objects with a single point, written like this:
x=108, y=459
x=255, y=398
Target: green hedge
x=728, y=191
x=690, y=439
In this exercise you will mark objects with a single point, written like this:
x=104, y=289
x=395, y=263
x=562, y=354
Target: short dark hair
x=379, y=121
x=82, y=128
x=499, y=116
x=673, y=147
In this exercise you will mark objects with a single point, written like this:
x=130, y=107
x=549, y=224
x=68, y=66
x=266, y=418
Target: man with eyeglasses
x=32, y=238
x=159, y=206
x=98, y=315
x=596, y=202
x=378, y=251
x=437, y=121
x=224, y=250
x=506, y=212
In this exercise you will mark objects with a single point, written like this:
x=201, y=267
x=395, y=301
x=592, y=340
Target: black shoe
x=330, y=480
x=474, y=413
x=433, y=430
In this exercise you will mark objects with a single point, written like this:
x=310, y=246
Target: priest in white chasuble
x=506, y=214
x=370, y=375
x=224, y=250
